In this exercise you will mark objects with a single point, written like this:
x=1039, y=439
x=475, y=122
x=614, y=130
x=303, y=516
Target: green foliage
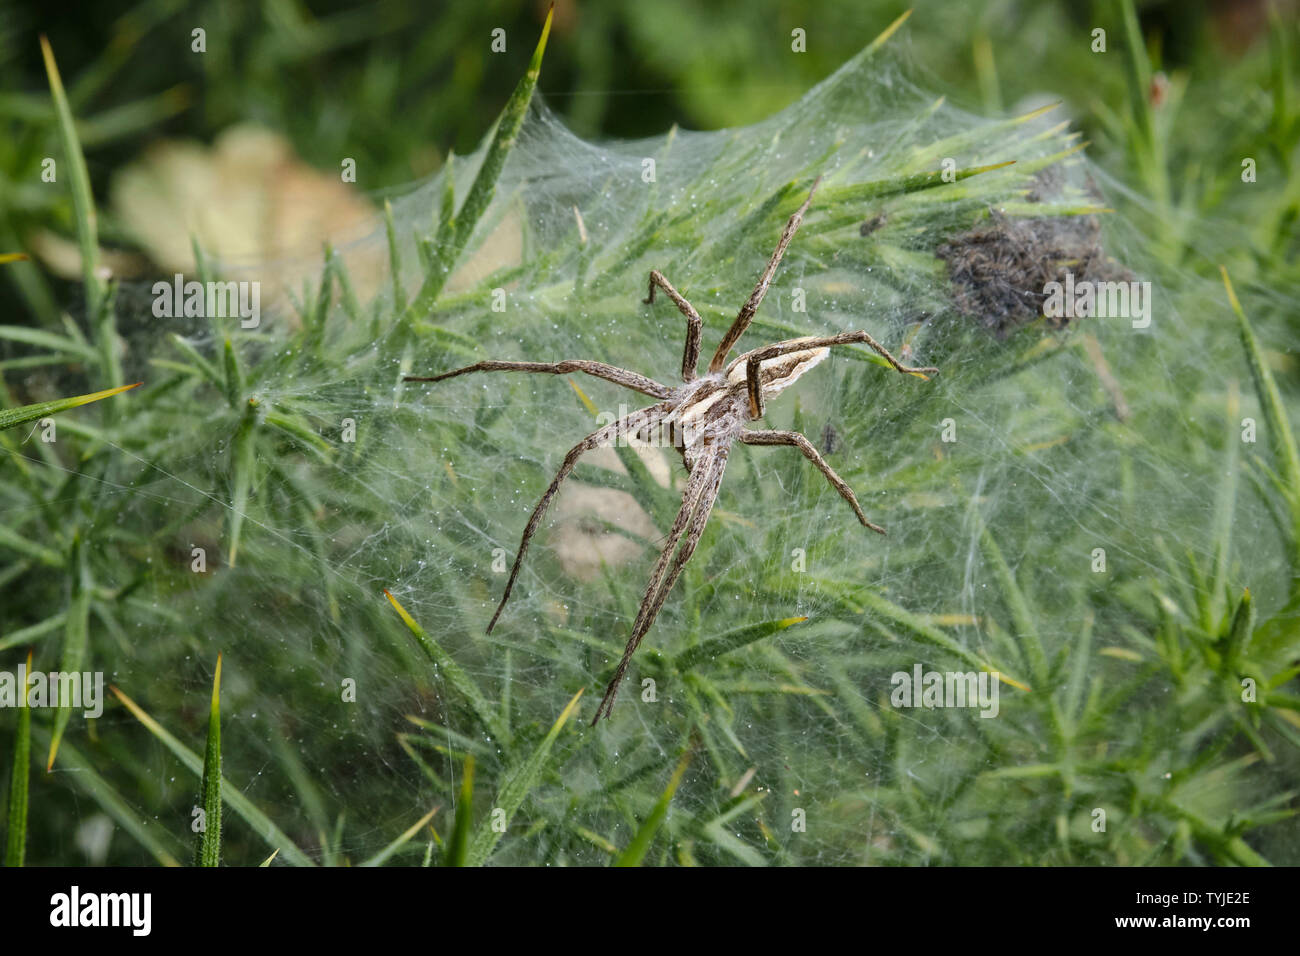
x=76, y=627
x=255, y=818
x=12, y=417
x=455, y=228
x=640, y=844
x=458, y=846
x=207, y=848
x=19, y=774
x=1161, y=691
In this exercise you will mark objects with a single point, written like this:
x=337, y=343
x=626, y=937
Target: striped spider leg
x=707, y=415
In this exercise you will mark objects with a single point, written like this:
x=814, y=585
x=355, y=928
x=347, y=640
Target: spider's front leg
x=610, y=373
x=746, y=314
x=796, y=440
x=691, y=353
x=754, y=385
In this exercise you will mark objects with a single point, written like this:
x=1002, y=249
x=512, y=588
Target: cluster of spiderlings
x=1000, y=268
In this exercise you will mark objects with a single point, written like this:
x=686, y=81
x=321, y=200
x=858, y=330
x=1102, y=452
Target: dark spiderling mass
x=999, y=268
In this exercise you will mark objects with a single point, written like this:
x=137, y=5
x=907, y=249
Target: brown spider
x=705, y=415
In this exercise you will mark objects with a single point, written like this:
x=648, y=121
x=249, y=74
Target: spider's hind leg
x=797, y=440
x=697, y=503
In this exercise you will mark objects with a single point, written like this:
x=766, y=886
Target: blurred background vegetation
x=398, y=85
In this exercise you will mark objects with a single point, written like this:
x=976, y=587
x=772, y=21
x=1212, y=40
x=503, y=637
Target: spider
x=705, y=415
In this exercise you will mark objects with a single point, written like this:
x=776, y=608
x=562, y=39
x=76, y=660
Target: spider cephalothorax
x=704, y=416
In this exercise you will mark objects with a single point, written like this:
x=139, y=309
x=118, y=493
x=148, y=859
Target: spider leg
x=637, y=419
x=691, y=354
x=697, y=503
x=610, y=373
x=797, y=440
x=754, y=361
x=746, y=314
x=758, y=356
x=755, y=388
x=690, y=498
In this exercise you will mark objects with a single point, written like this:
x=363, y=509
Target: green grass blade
x=300, y=431
x=382, y=856
x=732, y=640
x=458, y=846
x=244, y=461
x=75, y=636
x=16, y=831
x=233, y=377
x=449, y=669
x=921, y=630
x=232, y=796
x=447, y=208
x=207, y=850
x=1280, y=437
x=59, y=344
x=511, y=796
x=902, y=185
x=206, y=368
x=12, y=417
x=83, y=202
x=1243, y=625
x=1022, y=618
x=1080, y=668
x=394, y=259
x=348, y=292
x=1225, y=504
x=484, y=186
x=16, y=542
x=883, y=37
x=719, y=831
x=635, y=851
x=1149, y=147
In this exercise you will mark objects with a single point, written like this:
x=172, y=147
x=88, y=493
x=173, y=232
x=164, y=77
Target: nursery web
x=1031, y=452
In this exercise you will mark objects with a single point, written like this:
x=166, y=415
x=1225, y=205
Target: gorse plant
x=1077, y=516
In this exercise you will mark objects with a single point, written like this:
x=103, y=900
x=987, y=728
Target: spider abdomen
x=778, y=373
